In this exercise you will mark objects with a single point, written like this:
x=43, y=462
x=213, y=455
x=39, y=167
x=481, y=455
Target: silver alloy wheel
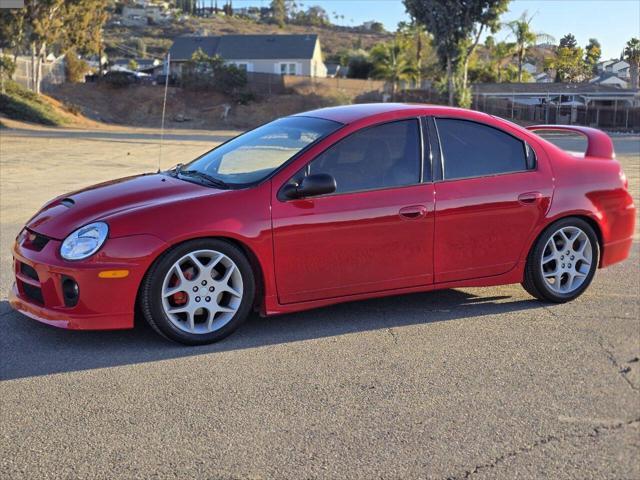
x=202, y=291
x=566, y=260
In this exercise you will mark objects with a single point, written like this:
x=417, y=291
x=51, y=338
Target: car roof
x=352, y=113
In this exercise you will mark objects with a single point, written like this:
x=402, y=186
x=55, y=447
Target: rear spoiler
x=598, y=143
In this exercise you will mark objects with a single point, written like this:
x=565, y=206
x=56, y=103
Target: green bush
x=205, y=72
x=244, y=98
x=75, y=68
x=7, y=67
x=22, y=104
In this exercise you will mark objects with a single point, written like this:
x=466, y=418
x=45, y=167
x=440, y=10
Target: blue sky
x=612, y=22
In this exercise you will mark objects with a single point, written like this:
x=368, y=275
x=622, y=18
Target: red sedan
x=327, y=206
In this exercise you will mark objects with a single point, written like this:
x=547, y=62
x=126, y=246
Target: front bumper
x=103, y=303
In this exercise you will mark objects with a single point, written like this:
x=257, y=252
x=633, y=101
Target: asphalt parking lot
x=468, y=383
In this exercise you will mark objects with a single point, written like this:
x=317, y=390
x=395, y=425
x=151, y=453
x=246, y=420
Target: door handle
x=530, y=197
x=413, y=212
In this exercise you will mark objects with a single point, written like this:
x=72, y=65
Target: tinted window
x=254, y=155
x=378, y=157
x=471, y=149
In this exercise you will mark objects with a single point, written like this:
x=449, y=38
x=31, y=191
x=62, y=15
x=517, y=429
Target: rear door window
x=471, y=149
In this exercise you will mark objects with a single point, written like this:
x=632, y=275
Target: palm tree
x=525, y=38
x=391, y=63
x=632, y=56
x=502, y=55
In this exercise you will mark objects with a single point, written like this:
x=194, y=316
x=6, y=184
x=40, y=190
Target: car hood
x=66, y=213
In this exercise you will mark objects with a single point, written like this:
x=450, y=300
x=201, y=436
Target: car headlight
x=84, y=242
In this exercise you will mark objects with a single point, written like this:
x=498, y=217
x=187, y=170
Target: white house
x=530, y=68
x=610, y=79
x=543, y=77
x=275, y=54
x=138, y=16
x=620, y=68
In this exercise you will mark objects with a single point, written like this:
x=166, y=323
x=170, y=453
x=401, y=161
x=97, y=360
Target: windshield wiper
x=213, y=181
x=175, y=170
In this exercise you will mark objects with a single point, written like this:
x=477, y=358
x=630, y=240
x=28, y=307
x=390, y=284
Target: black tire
x=534, y=282
x=151, y=289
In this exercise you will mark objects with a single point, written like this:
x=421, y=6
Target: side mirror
x=311, y=186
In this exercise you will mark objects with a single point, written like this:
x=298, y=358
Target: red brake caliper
x=181, y=298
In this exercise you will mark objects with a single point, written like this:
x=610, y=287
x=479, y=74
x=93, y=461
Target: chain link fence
x=52, y=72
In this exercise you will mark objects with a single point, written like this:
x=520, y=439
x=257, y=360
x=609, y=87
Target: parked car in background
x=327, y=206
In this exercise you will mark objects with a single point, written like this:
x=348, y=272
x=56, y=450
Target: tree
x=204, y=72
x=498, y=67
x=75, y=68
x=391, y=63
x=632, y=56
x=568, y=63
x=416, y=44
x=360, y=66
x=457, y=26
x=12, y=31
x=42, y=23
x=525, y=38
x=568, y=41
x=592, y=54
x=377, y=27
x=279, y=10
x=82, y=25
x=315, y=16
x=7, y=69
x=187, y=6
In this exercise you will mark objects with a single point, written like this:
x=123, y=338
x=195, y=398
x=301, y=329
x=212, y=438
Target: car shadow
x=30, y=348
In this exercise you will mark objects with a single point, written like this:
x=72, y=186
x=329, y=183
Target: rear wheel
x=562, y=262
x=198, y=292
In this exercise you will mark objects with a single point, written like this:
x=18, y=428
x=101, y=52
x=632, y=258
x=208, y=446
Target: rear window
x=471, y=149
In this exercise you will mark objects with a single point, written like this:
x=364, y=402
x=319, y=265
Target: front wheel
x=198, y=292
x=562, y=262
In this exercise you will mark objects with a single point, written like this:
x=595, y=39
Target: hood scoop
x=67, y=202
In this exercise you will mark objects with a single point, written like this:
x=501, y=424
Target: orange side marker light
x=114, y=274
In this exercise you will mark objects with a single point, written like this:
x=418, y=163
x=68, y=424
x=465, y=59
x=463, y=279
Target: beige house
x=274, y=54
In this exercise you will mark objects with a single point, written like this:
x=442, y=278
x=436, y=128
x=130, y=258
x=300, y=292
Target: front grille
x=34, y=293
x=29, y=271
x=34, y=241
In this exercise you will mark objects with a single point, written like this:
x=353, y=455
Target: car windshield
x=252, y=156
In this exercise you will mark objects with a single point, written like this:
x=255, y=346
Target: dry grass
x=141, y=106
x=158, y=38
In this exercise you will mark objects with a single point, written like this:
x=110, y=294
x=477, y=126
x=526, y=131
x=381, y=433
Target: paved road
x=469, y=383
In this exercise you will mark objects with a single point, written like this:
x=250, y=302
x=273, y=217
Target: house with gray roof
x=274, y=54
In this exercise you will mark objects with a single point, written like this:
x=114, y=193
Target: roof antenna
x=164, y=105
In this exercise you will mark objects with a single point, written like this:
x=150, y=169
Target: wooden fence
x=267, y=84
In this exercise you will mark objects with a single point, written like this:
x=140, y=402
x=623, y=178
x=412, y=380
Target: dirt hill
x=141, y=105
x=158, y=38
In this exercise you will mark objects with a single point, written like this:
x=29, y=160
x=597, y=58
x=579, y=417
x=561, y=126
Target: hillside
x=141, y=106
x=158, y=38
x=18, y=103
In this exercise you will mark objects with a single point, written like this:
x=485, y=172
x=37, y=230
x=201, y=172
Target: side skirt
x=272, y=307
